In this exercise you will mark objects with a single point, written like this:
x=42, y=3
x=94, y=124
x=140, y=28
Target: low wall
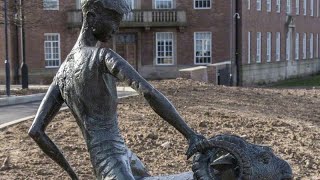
x=271, y=72
x=36, y=76
x=160, y=72
x=198, y=73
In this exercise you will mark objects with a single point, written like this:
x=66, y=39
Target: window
x=164, y=49
x=297, y=7
x=268, y=46
x=297, y=47
x=249, y=4
x=317, y=46
x=304, y=46
x=78, y=4
x=202, y=44
x=164, y=4
x=51, y=4
x=317, y=8
x=131, y=3
x=288, y=6
x=258, y=5
x=269, y=5
x=288, y=46
x=52, y=49
x=311, y=8
x=311, y=46
x=278, y=6
x=278, y=46
x=258, y=58
x=202, y=4
x=305, y=7
x=130, y=15
x=249, y=47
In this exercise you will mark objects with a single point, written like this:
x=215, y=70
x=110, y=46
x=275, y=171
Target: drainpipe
x=237, y=40
x=24, y=67
x=231, y=41
x=16, y=68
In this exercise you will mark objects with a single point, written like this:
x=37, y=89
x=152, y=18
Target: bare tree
x=30, y=10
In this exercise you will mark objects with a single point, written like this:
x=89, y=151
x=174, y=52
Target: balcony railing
x=140, y=18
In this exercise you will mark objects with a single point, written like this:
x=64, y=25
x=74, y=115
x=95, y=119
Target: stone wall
x=272, y=72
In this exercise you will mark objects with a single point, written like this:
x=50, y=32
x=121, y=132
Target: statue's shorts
x=111, y=162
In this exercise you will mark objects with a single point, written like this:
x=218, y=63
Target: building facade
x=263, y=40
x=157, y=38
x=280, y=39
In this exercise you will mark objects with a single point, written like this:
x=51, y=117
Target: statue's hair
x=120, y=6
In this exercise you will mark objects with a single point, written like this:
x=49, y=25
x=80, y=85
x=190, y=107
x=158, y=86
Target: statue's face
x=105, y=24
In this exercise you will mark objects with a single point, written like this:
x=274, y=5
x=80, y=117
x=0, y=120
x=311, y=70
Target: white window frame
x=304, y=46
x=311, y=46
x=249, y=4
x=278, y=46
x=158, y=34
x=163, y=1
x=304, y=7
x=311, y=7
x=278, y=6
x=297, y=7
x=51, y=47
x=259, y=5
x=297, y=47
x=289, y=7
x=194, y=4
x=269, y=46
x=317, y=8
x=258, y=55
x=249, y=47
x=317, y=46
x=50, y=8
x=203, y=47
x=288, y=46
x=269, y=6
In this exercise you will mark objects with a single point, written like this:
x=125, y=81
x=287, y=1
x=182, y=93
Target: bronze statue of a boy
x=86, y=82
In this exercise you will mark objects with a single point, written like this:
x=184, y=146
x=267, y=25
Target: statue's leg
x=137, y=167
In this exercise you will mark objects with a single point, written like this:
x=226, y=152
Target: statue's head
x=231, y=157
x=103, y=17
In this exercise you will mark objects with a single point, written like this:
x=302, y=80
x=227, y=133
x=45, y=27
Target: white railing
x=139, y=17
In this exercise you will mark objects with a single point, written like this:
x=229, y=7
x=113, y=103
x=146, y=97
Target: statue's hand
x=197, y=143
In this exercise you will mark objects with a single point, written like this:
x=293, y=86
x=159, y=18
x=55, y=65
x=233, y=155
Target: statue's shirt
x=90, y=92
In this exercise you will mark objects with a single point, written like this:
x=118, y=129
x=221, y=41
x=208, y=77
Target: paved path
x=15, y=112
x=15, y=87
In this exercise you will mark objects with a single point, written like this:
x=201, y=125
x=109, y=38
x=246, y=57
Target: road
x=15, y=112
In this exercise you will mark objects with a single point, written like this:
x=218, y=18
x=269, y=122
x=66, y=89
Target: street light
x=7, y=63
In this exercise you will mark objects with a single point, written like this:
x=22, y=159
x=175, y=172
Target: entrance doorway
x=126, y=46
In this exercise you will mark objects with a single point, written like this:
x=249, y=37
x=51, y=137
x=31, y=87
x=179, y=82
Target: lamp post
x=7, y=63
x=24, y=67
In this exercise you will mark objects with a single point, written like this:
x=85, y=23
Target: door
x=127, y=48
x=224, y=76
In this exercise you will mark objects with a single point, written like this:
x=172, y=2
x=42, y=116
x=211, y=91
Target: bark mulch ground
x=286, y=119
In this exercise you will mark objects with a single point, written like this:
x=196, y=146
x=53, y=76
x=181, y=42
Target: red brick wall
x=215, y=20
x=263, y=21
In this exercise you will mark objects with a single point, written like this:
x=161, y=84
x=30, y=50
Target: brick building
x=160, y=37
x=279, y=39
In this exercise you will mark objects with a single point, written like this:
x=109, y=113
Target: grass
x=310, y=81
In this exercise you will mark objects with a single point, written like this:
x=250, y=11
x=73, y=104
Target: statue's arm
x=49, y=107
x=122, y=70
